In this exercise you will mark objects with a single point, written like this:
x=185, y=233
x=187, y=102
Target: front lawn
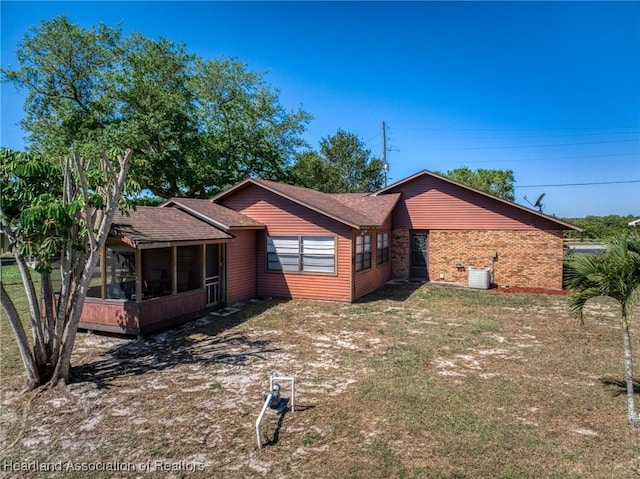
x=415, y=381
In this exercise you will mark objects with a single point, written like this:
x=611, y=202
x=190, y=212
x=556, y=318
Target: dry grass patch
x=413, y=382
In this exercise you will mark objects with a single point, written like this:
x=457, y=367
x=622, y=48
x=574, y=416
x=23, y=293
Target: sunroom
x=160, y=266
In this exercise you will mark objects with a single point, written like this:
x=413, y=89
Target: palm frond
x=615, y=274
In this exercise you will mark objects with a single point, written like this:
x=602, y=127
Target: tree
x=597, y=227
x=244, y=131
x=51, y=210
x=496, y=182
x=70, y=100
x=343, y=165
x=615, y=274
x=196, y=126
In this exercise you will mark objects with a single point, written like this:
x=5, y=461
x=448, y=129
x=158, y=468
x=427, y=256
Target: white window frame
x=363, y=252
x=301, y=254
x=382, y=250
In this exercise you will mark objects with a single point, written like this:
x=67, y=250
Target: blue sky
x=549, y=90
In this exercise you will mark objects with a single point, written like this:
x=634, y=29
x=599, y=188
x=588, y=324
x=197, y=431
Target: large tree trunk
x=63, y=365
x=40, y=353
x=54, y=332
x=30, y=367
x=99, y=222
x=632, y=414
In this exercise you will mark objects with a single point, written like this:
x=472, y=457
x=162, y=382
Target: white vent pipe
x=259, y=420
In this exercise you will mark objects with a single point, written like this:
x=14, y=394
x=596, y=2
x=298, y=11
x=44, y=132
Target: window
x=311, y=254
x=283, y=253
x=383, y=248
x=318, y=254
x=363, y=252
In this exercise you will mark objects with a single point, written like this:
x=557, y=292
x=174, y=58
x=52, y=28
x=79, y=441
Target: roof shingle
x=148, y=225
x=358, y=210
x=217, y=214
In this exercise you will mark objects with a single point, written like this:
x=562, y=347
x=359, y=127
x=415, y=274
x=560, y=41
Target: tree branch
x=85, y=193
x=31, y=368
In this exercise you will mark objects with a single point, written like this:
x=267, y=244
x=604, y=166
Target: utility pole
x=385, y=165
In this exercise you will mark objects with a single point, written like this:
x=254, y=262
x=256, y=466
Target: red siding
x=371, y=279
x=110, y=312
x=131, y=316
x=430, y=203
x=168, y=307
x=285, y=217
x=241, y=266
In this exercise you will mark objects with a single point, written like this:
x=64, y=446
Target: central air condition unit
x=479, y=278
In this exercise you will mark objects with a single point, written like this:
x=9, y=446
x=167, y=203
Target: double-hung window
x=309, y=254
x=383, y=248
x=363, y=252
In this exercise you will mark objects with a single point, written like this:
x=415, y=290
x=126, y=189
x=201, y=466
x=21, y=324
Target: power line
x=631, y=127
x=551, y=135
x=550, y=158
x=502, y=147
x=578, y=184
x=374, y=136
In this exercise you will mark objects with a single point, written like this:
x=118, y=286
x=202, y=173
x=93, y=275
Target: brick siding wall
x=400, y=251
x=530, y=259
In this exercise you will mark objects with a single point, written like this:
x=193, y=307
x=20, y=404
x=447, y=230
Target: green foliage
x=243, y=128
x=195, y=126
x=146, y=201
x=31, y=207
x=496, y=182
x=64, y=70
x=598, y=227
x=52, y=210
x=615, y=274
x=343, y=165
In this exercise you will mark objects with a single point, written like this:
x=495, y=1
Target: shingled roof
x=153, y=227
x=378, y=208
x=358, y=210
x=220, y=216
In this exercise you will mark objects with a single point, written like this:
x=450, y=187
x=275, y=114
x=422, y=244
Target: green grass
x=414, y=382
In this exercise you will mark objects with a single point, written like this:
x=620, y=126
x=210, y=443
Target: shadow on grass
x=395, y=291
x=276, y=434
x=619, y=386
x=202, y=341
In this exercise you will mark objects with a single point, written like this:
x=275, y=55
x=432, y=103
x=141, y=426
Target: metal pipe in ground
x=267, y=400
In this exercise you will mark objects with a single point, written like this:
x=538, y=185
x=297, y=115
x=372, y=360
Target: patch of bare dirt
x=185, y=397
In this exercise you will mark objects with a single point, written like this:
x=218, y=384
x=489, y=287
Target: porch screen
x=119, y=272
x=312, y=254
x=189, y=268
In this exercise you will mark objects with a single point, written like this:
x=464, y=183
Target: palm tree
x=615, y=274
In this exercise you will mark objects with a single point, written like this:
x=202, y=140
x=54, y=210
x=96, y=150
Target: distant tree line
x=598, y=227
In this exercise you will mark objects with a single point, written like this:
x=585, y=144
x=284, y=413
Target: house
x=441, y=228
x=162, y=265
x=262, y=238
x=316, y=245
